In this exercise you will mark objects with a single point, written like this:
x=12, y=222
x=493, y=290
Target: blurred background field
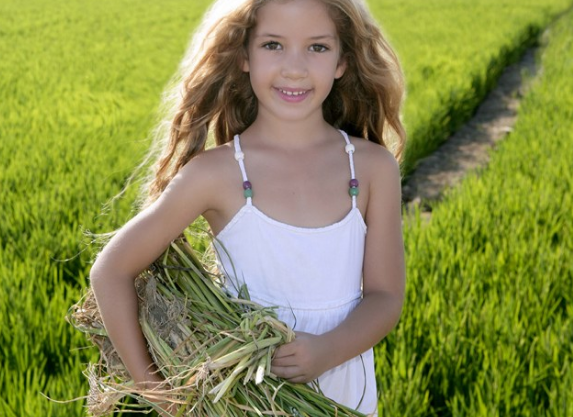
x=487, y=325
x=488, y=328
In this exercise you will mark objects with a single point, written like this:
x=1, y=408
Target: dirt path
x=470, y=146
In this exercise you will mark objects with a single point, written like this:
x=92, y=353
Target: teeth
x=293, y=93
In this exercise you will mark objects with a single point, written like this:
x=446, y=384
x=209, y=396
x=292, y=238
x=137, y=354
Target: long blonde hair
x=213, y=95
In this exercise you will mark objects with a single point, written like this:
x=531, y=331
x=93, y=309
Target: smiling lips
x=292, y=94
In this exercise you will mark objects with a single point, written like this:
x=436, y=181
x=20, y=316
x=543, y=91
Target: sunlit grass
x=487, y=329
x=79, y=85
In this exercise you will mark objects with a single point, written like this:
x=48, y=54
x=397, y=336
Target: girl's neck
x=289, y=135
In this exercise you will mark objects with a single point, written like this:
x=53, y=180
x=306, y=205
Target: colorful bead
x=354, y=190
x=248, y=193
x=350, y=148
x=247, y=185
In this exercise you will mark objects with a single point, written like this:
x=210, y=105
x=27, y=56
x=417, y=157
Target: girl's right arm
x=140, y=242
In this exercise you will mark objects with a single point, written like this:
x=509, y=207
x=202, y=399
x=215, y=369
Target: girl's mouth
x=293, y=95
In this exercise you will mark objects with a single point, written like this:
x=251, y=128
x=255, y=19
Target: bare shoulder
x=210, y=168
x=205, y=176
x=211, y=163
x=379, y=174
x=375, y=161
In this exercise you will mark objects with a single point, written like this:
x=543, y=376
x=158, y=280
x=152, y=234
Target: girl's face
x=293, y=59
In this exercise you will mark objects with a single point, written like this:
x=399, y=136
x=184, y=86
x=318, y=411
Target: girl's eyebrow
x=270, y=35
x=314, y=38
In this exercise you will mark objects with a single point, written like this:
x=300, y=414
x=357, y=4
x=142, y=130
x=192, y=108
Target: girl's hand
x=302, y=360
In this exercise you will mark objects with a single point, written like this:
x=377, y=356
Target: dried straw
x=213, y=350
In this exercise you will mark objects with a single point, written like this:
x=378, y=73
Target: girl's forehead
x=296, y=16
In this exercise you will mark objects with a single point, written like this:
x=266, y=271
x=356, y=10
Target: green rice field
x=487, y=327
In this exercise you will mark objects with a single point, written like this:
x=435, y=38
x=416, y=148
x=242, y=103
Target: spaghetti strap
x=350, y=149
x=248, y=188
x=240, y=157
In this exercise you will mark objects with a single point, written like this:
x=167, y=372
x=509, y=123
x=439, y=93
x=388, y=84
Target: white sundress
x=313, y=276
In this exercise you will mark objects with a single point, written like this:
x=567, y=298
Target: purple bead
x=354, y=183
x=247, y=185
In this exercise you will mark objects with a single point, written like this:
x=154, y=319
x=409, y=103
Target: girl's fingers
x=291, y=373
x=284, y=361
x=284, y=350
x=291, y=347
x=286, y=372
x=298, y=380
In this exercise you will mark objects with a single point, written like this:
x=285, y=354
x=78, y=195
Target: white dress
x=313, y=275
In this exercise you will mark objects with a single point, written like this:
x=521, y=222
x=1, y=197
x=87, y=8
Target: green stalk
x=223, y=347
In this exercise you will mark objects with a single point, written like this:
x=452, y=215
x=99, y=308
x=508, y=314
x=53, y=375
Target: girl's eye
x=318, y=48
x=272, y=45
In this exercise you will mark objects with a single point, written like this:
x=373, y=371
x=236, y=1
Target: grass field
x=79, y=86
x=487, y=329
x=453, y=52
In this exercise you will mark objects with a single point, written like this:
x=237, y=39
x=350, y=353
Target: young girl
x=305, y=198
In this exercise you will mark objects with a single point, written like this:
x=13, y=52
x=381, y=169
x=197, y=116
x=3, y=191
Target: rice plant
x=487, y=328
x=79, y=87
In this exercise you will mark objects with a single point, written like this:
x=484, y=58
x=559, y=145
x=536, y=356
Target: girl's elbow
x=97, y=277
x=395, y=305
x=101, y=275
x=107, y=275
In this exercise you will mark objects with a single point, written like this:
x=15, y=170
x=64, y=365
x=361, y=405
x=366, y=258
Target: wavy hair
x=212, y=95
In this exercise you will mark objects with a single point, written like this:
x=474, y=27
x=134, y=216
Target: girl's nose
x=294, y=65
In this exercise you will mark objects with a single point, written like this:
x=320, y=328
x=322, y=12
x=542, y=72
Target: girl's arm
x=140, y=242
x=383, y=287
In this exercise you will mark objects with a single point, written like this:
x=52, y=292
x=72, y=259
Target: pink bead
x=354, y=183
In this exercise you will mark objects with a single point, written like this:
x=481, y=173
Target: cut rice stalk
x=214, y=350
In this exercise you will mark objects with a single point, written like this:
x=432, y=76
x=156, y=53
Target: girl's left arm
x=383, y=285
x=384, y=274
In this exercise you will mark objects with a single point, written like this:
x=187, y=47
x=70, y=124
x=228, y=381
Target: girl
x=309, y=214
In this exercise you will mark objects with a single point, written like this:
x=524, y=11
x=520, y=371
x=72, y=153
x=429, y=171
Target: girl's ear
x=245, y=62
x=340, y=69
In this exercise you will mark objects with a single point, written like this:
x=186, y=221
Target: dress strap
x=350, y=149
x=239, y=157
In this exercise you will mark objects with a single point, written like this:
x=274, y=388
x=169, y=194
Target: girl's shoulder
x=212, y=175
x=374, y=160
x=379, y=174
x=213, y=163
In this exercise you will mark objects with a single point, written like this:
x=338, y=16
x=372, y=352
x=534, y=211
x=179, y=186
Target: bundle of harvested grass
x=213, y=350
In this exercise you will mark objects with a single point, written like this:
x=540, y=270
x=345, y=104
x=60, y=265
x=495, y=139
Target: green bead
x=353, y=191
x=248, y=193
